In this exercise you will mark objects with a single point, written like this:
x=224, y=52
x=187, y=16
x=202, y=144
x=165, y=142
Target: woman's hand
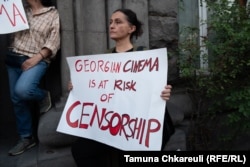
x=70, y=86
x=165, y=94
x=31, y=62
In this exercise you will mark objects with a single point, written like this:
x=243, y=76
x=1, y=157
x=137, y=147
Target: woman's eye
x=115, y=22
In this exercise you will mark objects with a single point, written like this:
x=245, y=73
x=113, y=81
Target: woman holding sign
x=123, y=26
x=27, y=61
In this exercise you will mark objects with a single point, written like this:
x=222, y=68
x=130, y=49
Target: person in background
x=123, y=27
x=27, y=60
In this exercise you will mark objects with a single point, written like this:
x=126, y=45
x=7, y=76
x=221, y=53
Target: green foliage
x=226, y=82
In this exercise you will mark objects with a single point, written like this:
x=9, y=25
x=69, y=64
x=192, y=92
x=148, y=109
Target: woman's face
x=119, y=27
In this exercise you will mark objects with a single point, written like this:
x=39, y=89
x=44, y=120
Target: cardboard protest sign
x=116, y=99
x=12, y=16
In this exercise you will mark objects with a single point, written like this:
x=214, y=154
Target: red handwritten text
x=117, y=124
x=15, y=12
x=125, y=85
x=97, y=66
x=134, y=66
x=140, y=65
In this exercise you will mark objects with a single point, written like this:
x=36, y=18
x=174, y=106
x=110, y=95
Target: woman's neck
x=123, y=46
x=35, y=6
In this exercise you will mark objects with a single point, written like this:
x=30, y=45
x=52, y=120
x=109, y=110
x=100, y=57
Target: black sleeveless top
x=130, y=50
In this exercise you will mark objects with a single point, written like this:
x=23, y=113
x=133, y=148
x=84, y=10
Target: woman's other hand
x=166, y=93
x=70, y=86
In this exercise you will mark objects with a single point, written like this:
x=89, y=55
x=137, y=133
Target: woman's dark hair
x=132, y=19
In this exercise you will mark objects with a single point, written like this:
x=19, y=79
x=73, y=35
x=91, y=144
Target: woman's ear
x=132, y=29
